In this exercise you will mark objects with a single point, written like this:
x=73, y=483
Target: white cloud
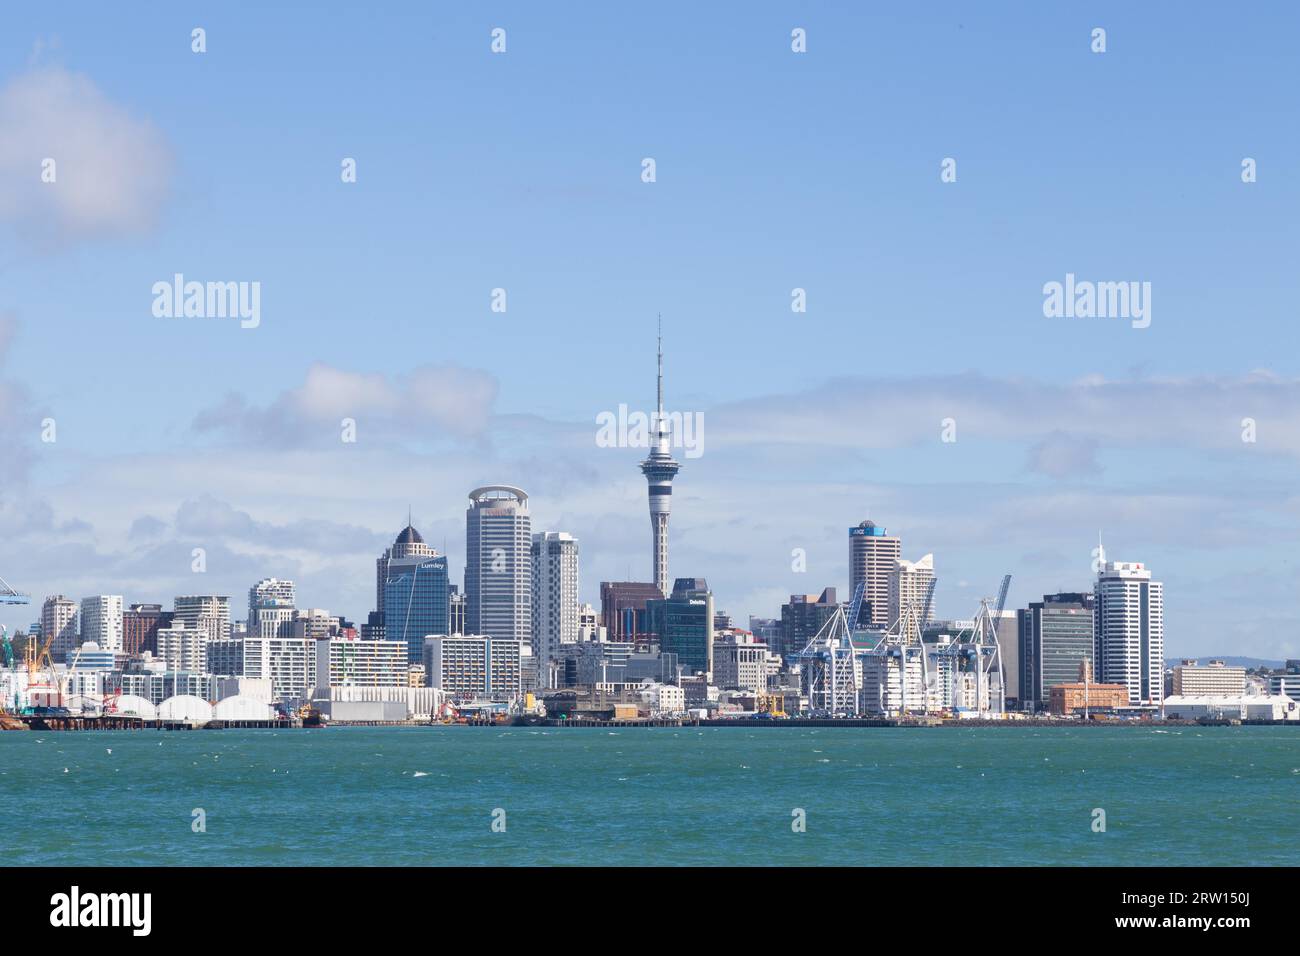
x=456, y=401
x=112, y=169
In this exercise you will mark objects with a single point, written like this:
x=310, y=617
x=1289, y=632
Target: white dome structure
x=129, y=705
x=185, y=707
x=241, y=708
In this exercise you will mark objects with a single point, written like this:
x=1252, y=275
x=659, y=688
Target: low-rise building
x=1074, y=699
x=1216, y=679
x=1240, y=707
x=663, y=699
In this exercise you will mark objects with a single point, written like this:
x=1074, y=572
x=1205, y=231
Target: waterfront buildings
x=555, y=598
x=740, y=662
x=873, y=557
x=659, y=470
x=1287, y=684
x=101, y=621
x=1056, y=637
x=908, y=583
x=415, y=602
x=1216, y=679
x=140, y=623
x=208, y=611
x=59, y=625
x=1129, y=630
x=889, y=685
x=498, y=564
x=1236, y=707
x=183, y=647
x=288, y=662
x=475, y=666
x=353, y=662
x=623, y=611
x=684, y=623
x=1084, y=696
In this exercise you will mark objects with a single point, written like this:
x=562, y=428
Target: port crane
x=830, y=665
x=897, y=667
x=9, y=596
x=979, y=653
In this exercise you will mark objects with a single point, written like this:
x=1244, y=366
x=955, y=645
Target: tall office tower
x=455, y=610
x=140, y=624
x=659, y=470
x=684, y=623
x=210, y=612
x=1055, y=640
x=1129, y=630
x=498, y=564
x=101, y=621
x=59, y=625
x=908, y=583
x=555, y=598
x=623, y=611
x=271, y=608
x=409, y=544
x=873, y=557
x=415, y=602
x=802, y=618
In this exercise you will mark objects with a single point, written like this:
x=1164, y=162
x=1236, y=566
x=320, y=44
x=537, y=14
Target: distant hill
x=1246, y=662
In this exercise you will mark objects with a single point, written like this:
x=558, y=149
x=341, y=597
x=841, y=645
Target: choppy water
x=380, y=796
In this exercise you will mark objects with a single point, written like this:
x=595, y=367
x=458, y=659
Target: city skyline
x=775, y=172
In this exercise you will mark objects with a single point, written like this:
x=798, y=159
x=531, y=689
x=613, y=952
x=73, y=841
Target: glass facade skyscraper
x=684, y=623
x=1056, y=636
x=415, y=602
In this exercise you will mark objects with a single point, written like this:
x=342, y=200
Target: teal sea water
x=427, y=796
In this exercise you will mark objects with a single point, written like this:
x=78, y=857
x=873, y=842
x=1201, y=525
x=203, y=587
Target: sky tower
x=659, y=470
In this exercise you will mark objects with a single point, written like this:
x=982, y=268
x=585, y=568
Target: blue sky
x=774, y=171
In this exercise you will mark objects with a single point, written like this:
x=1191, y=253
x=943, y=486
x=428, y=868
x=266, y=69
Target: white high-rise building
x=555, y=598
x=289, y=663
x=498, y=564
x=271, y=609
x=1129, y=630
x=211, y=612
x=353, y=662
x=59, y=624
x=908, y=584
x=183, y=647
x=475, y=667
x=101, y=621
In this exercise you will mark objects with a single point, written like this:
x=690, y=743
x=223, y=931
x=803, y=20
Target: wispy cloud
x=111, y=170
x=454, y=400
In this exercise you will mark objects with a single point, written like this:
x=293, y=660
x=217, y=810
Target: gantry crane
x=979, y=652
x=831, y=669
x=9, y=596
